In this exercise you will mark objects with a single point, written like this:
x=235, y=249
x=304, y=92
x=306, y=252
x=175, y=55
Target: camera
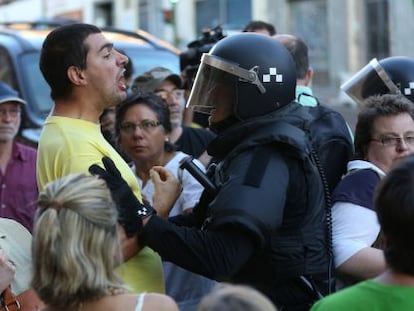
x=190, y=58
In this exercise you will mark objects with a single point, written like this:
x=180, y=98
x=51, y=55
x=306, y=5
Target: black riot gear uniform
x=265, y=225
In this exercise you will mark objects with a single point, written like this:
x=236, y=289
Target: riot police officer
x=393, y=75
x=265, y=224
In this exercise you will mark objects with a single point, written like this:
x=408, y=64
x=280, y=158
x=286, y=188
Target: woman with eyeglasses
x=142, y=129
x=384, y=135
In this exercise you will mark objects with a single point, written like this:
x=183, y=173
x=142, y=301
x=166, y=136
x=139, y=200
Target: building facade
x=342, y=35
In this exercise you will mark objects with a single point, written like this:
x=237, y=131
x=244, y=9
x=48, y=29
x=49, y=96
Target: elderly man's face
x=10, y=116
x=173, y=97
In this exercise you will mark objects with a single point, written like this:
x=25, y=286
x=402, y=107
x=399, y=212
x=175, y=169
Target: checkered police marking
x=142, y=211
x=409, y=90
x=272, y=72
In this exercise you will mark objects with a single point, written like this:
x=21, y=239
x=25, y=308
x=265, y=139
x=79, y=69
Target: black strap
x=257, y=168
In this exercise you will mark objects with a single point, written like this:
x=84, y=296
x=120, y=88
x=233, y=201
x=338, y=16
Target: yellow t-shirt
x=69, y=145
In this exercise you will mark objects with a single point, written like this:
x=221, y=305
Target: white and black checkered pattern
x=272, y=73
x=410, y=89
x=145, y=211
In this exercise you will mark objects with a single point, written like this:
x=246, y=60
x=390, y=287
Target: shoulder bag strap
x=9, y=301
x=25, y=301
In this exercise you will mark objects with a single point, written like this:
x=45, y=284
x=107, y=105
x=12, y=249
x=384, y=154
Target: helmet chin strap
x=218, y=127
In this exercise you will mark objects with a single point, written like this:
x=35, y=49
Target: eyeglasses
x=393, y=141
x=147, y=126
x=13, y=112
x=164, y=94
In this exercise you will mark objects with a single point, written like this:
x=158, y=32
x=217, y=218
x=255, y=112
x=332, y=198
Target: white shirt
x=354, y=227
x=192, y=189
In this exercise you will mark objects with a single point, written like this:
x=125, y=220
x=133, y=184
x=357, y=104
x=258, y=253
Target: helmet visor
x=212, y=87
x=370, y=80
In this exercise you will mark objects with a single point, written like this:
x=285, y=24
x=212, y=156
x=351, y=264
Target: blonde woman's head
x=228, y=297
x=75, y=243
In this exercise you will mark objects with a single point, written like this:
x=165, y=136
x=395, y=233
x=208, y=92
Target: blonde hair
x=228, y=297
x=75, y=242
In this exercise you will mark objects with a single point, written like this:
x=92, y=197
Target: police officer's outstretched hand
x=131, y=210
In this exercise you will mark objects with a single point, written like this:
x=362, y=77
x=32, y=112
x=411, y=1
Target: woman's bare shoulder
x=154, y=301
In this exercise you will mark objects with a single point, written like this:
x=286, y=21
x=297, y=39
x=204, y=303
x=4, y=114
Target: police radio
x=188, y=164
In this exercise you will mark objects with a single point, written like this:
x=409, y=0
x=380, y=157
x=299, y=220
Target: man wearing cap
x=18, y=187
x=167, y=85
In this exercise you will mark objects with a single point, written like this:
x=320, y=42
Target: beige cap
x=151, y=79
x=16, y=242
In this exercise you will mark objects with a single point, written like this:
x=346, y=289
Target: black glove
x=130, y=209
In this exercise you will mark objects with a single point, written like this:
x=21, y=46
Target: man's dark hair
x=252, y=26
x=394, y=203
x=374, y=107
x=299, y=51
x=64, y=47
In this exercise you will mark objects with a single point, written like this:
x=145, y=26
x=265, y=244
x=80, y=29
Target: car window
x=6, y=68
x=37, y=91
x=144, y=60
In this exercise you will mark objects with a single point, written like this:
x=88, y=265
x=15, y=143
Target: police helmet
x=258, y=70
x=394, y=75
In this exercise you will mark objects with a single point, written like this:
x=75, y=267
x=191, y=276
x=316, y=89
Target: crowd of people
x=104, y=215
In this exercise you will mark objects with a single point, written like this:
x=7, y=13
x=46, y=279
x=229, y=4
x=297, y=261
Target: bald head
x=299, y=51
x=260, y=27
